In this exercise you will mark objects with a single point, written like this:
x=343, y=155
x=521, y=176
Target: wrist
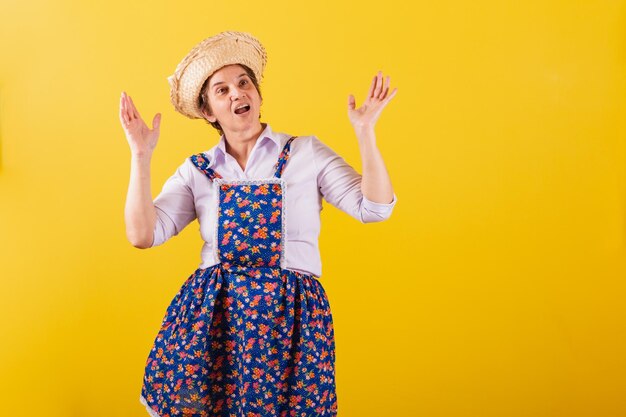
x=365, y=134
x=363, y=129
x=141, y=157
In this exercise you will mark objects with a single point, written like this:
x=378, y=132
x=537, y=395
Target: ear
x=208, y=116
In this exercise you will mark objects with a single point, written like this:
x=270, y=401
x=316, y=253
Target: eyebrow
x=222, y=82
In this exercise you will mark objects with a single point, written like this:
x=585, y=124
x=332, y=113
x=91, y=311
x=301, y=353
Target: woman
x=250, y=332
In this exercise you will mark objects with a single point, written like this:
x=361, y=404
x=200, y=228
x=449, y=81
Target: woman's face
x=229, y=89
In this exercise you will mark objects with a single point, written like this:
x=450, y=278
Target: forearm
x=375, y=184
x=140, y=214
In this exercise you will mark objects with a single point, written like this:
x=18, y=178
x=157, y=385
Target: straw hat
x=204, y=59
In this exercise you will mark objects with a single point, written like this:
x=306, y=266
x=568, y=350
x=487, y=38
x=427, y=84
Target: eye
x=244, y=81
x=219, y=90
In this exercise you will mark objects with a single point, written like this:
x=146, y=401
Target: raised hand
x=376, y=100
x=142, y=140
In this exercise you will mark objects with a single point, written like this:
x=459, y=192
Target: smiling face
x=231, y=100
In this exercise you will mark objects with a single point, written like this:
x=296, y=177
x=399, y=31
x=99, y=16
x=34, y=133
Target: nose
x=237, y=94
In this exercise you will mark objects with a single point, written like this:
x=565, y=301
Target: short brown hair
x=203, y=99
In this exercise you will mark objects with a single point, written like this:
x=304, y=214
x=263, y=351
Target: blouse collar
x=266, y=135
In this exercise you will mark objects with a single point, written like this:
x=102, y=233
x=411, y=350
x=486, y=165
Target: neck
x=239, y=143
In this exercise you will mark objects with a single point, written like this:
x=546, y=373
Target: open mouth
x=242, y=110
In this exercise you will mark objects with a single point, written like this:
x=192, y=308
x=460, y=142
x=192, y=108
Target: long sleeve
x=175, y=205
x=340, y=185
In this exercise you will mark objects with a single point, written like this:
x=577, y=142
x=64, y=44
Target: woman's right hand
x=141, y=138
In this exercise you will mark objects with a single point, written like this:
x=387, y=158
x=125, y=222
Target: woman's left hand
x=376, y=100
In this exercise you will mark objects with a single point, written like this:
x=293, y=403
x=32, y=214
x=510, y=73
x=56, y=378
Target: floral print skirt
x=244, y=342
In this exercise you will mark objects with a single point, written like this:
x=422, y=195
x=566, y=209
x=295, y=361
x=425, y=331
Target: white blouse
x=313, y=171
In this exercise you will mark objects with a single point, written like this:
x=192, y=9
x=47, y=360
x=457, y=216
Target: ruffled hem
x=142, y=400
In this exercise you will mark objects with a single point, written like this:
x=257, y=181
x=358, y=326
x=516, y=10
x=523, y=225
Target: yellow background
x=495, y=289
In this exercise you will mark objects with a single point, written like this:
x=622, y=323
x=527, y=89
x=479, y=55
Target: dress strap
x=279, y=167
x=202, y=163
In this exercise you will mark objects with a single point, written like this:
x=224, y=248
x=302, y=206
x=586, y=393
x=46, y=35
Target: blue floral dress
x=245, y=337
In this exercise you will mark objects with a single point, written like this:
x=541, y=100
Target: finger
x=379, y=84
x=392, y=95
x=129, y=113
x=371, y=92
x=124, y=109
x=134, y=109
x=351, y=102
x=121, y=113
x=385, y=89
x=156, y=121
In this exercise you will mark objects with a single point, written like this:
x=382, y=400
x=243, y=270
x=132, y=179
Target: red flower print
x=197, y=326
x=228, y=195
x=294, y=400
x=269, y=286
x=226, y=238
x=251, y=313
x=257, y=373
x=263, y=329
x=262, y=189
x=273, y=260
x=255, y=301
x=274, y=217
x=261, y=233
